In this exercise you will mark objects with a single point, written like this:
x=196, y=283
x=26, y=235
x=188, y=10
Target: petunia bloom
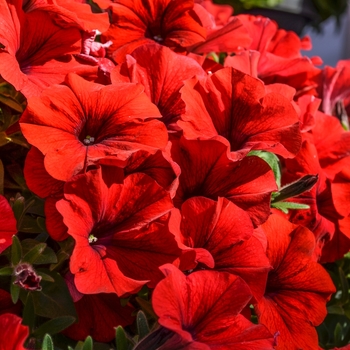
x=121, y=232
x=13, y=334
x=207, y=170
x=204, y=309
x=241, y=109
x=226, y=232
x=162, y=72
x=297, y=288
x=76, y=123
x=37, y=51
x=171, y=23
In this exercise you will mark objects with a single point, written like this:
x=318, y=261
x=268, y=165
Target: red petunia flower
x=208, y=171
x=171, y=23
x=204, y=309
x=279, y=58
x=13, y=334
x=121, y=232
x=8, y=224
x=226, y=232
x=332, y=143
x=162, y=73
x=38, y=52
x=241, y=109
x=74, y=124
x=297, y=288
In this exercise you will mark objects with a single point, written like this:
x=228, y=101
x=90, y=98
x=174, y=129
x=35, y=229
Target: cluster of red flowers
x=170, y=151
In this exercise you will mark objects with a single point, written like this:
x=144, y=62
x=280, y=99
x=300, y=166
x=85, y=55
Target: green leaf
x=28, y=312
x=335, y=310
x=121, y=339
x=54, y=326
x=11, y=97
x=272, y=160
x=16, y=251
x=44, y=276
x=88, y=344
x=64, y=253
x=41, y=224
x=142, y=324
x=18, y=208
x=34, y=253
x=344, y=287
x=338, y=331
x=146, y=307
x=14, y=290
x=46, y=256
x=284, y=206
x=47, y=343
x=54, y=300
x=29, y=224
x=6, y=271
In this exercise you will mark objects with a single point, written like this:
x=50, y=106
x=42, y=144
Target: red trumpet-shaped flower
x=208, y=171
x=171, y=23
x=13, y=334
x=241, y=109
x=121, y=232
x=204, y=309
x=297, y=288
x=76, y=123
x=226, y=232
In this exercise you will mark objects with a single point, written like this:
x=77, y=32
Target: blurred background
x=327, y=22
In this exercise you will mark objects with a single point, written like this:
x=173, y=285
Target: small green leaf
x=16, y=251
x=142, y=324
x=46, y=256
x=284, y=206
x=54, y=326
x=29, y=224
x=47, y=343
x=28, y=312
x=41, y=224
x=18, y=207
x=146, y=307
x=44, y=276
x=88, y=344
x=335, y=310
x=344, y=287
x=64, y=253
x=272, y=160
x=121, y=339
x=212, y=55
x=34, y=253
x=54, y=300
x=338, y=331
x=6, y=271
x=14, y=292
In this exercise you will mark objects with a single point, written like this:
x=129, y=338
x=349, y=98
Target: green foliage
x=335, y=330
x=54, y=300
x=47, y=343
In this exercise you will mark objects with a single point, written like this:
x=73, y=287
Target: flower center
x=92, y=239
x=89, y=140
